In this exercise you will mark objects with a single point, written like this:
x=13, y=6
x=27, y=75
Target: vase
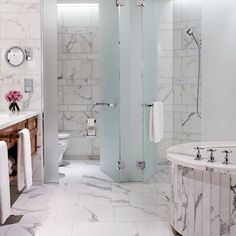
x=13, y=107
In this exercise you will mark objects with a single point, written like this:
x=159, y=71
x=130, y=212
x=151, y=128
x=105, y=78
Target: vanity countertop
x=7, y=119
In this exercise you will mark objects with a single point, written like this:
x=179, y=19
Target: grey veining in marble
x=78, y=77
x=202, y=202
x=75, y=208
x=187, y=125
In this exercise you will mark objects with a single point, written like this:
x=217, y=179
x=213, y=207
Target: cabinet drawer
x=32, y=123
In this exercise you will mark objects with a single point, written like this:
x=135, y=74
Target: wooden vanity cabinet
x=11, y=141
x=31, y=124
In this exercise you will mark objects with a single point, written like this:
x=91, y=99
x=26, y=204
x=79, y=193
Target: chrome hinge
x=140, y=3
x=120, y=165
x=141, y=165
x=120, y=3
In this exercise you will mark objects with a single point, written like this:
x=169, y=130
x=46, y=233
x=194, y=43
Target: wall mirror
x=15, y=56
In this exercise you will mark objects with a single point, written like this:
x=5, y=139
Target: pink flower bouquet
x=13, y=96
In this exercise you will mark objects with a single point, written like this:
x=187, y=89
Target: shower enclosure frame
x=137, y=42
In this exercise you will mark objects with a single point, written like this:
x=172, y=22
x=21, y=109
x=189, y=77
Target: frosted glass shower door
x=149, y=82
x=110, y=89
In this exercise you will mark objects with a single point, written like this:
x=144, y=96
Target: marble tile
x=154, y=228
x=70, y=208
x=77, y=43
x=105, y=229
x=96, y=43
x=78, y=36
x=75, y=120
x=177, y=35
x=80, y=147
x=189, y=93
x=165, y=66
x=140, y=213
x=165, y=39
x=77, y=69
x=140, y=199
x=95, y=69
x=165, y=93
x=64, y=229
x=14, y=27
x=85, y=213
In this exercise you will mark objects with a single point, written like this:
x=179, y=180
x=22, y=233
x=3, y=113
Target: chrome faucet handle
x=212, y=158
x=105, y=104
x=198, y=155
x=226, y=158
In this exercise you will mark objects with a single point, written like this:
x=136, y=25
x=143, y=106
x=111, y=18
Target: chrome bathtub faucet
x=198, y=155
x=212, y=158
x=226, y=158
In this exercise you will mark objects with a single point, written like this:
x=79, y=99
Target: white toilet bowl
x=61, y=150
x=63, y=141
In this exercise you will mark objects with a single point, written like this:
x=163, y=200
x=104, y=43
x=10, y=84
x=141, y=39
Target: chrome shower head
x=189, y=32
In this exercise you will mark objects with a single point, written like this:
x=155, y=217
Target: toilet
x=63, y=141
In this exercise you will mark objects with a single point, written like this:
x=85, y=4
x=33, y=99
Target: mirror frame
x=9, y=50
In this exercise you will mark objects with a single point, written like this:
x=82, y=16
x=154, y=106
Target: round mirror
x=15, y=56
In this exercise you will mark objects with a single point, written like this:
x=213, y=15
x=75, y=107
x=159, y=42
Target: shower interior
x=79, y=89
x=108, y=85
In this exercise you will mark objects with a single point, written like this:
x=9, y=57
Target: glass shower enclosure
x=128, y=86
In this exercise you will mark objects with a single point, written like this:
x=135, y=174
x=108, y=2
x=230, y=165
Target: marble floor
x=86, y=202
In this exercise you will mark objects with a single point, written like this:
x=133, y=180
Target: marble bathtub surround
x=202, y=198
x=185, y=154
x=78, y=77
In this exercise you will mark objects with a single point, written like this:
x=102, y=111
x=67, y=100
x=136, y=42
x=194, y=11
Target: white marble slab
x=202, y=202
x=7, y=119
x=184, y=154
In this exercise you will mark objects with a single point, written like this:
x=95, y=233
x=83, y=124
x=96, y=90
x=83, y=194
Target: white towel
x=24, y=162
x=156, y=122
x=5, y=207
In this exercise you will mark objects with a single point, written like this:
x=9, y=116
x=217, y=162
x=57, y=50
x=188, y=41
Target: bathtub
x=203, y=194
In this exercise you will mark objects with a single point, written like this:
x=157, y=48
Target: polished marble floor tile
x=87, y=202
x=105, y=229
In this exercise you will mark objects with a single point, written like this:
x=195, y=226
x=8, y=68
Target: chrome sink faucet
x=198, y=155
x=212, y=158
x=226, y=158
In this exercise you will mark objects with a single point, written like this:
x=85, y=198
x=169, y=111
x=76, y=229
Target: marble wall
x=78, y=76
x=165, y=88
x=177, y=71
x=187, y=125
x=20, y=25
